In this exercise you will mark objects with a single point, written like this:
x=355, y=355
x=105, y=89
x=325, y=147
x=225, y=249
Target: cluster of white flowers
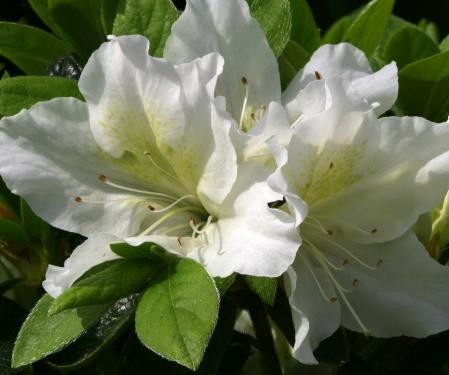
x=187, y=152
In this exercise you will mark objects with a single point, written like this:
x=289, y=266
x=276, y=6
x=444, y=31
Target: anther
x=147, y=153
x=331, y=165
x=244, y=81
x=373, y=231
x=78, y=199
x=333, y=299
x=179, y=241
x=192, y=221
x=317, y=75
x=345, y=263
x=330, y=232
x=102, y=178
x=150, y=207
x=380, y=263
x=355, y=283
x=253, y=116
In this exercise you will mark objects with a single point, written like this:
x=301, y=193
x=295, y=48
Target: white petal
x=49, y=157
x=226, y=27
x=314, y=316
x=373, y=177
x=95, y=250
x=350, y=64
x=249, y=237
x=406, y=294
x=134, y=100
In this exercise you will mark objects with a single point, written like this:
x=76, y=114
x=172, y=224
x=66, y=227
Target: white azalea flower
x=365, y=182
x=148, y=157
x=250, y=82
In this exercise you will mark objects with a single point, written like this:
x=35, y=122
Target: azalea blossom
x=147, y=158
x=364, y=182
x=250, y=82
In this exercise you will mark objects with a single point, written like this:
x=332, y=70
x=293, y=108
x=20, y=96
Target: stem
x=264, y=337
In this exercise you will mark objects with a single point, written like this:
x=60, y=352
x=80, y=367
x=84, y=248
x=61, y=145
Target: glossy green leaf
x=409, y=44
x=12, y=231
x=264, y=287
x=151, y=18
x=424, y=88
x=91, y=343
x=80, y=22
x=43, y=11
x=108, y=12
x=304, y=29
x=146, y=250
x=336, y=33
x=42, y=334
x=292, y=60
x=115, y=279
x=444, y=45
x=368, y=28
x=224, y=283
x=177, y=313
x=22, y=92
x=30, y=48
x=274, y=17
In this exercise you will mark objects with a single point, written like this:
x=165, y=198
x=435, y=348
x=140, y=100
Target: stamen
x=317, y=75
x=342, y=291
x=317, y=282
x=347, y=224
x=319, y=226
x=148, y=154
x=78, y=199
x=150, y=207
x=373, y=231
x=331, y=165
x=380, y=263
x=348, y=252
x=297, y=121
x=245, y=102
x=179, y=241
x=168, y=215
x=175, y=228
x=355, y=283
x=174, y=203
x=317, y=253
x=104, y=179
x=345, y=263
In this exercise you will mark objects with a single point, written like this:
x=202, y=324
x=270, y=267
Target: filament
x=148, y=154
x=315, y=278
x=245, y=102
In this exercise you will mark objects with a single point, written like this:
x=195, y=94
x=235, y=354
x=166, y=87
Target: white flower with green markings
x=147, y=157
x=250, y=82
x=365, y=181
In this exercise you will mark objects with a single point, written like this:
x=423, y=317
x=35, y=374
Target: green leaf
x=43, y=11
x=146, y=250
x=224, y=283
x=177, y=313
x=337, y=31
x=304, y=30
x=430, y=29
x=444, y=45
x=22, y=92
x=115, y=279
x=108, y=12
x=91, y=343
x=424, y=88
x=151, y=18
x=264, y=287
x=409, y=44
x=80, y=22
x=292, y=60
x=31, y=49
x=368, y=28
x=42, y=334
x=274, y=17
x=11, y=316
x=11, y=231
x=281, y=314
x=33, y=225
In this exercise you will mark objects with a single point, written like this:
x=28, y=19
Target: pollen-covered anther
x=380, y=263
x=78, y=199
x=192, y=221
x=317, y=75
x=329, y=232
x=102, y=178
x=244, y=81
x=333, y=299
x=345, y=262
x=355, y=283
x=331, y=165
x=147, y=153
x=373, y=231
x=253, y=116
x=150, y=207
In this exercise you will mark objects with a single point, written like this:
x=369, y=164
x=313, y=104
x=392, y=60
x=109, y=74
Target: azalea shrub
x=221, y=187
